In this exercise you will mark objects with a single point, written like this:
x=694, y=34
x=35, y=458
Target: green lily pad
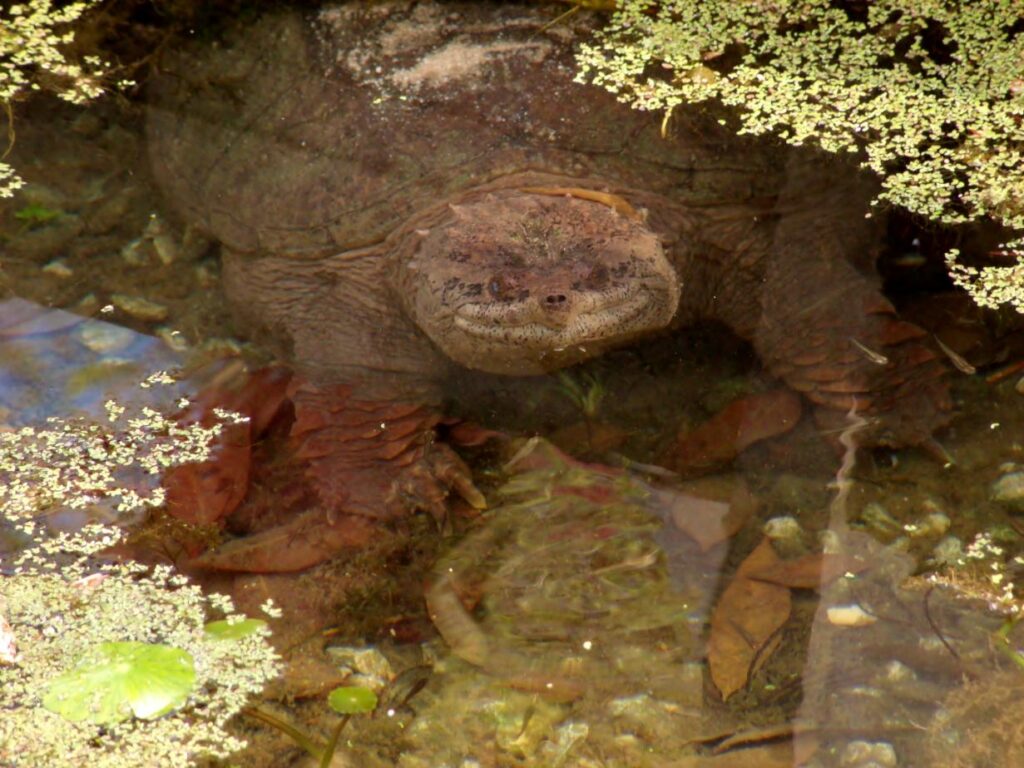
x=225, y=630
x=352, y=700
x=114, y=681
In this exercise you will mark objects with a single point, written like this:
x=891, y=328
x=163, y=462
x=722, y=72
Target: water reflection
x=65, y=382
x=56, y=363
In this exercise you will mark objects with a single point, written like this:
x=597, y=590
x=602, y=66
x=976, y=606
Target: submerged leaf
x=739, y=425
x=352, y=700
x=227, y=630
x=745, y=621
x=34, y=214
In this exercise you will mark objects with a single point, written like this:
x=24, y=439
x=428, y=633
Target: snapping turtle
x=404, y=191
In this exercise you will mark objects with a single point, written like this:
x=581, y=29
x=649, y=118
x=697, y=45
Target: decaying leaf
x=466, y=434
x=747, y=617
x=808, y=572
x=303, y=542
x=712, y=509
x=735, y=428
x=206, y=492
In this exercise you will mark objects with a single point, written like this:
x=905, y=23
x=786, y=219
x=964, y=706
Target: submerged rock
x=1009, y=490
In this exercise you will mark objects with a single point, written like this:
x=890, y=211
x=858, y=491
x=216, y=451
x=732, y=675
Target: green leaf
x=116, y=680
x=33, y=213
x=225, y=630
x=352, y=700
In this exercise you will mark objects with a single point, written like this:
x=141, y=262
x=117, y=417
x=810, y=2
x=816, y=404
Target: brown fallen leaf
x=307, y=540
x=712, y=509
x=466, y=434
x=594, y=437
x=808, y=572
x=748, y=615
x=735, y=428
x=206, y=492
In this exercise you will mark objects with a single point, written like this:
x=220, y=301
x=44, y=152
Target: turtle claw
x=429, y=484
x=377, y=459
x=451, y=470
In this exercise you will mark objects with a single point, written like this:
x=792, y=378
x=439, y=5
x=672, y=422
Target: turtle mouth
x=589, y=319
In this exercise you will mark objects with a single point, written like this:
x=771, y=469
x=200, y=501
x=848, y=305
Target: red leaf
x=736, y=427
x=206, y=492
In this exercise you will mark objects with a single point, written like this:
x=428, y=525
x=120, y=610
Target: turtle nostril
x=555, y=299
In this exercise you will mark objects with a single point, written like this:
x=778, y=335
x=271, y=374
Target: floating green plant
x=347, y=700
x=233, y=630
x=114, y=681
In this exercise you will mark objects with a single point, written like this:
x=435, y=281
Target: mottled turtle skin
x=405, y=191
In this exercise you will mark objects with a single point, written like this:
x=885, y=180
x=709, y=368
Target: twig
x=935, y=627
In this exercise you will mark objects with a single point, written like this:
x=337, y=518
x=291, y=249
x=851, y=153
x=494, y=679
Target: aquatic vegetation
x=78, y=463
x=74, y=627
x=979, y=723
x=114, y=681
x=234, y=630
x=81, y=625
x=352, y=700
x=992, y=286
x=585, y=391
x=33, y=214
x=929, y=95
x=34, y=37
x=985, y=572
x=346, y=700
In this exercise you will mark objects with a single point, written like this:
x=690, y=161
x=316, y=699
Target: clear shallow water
x=595, y=614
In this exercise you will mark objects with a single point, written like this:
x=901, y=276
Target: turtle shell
x=303, y=132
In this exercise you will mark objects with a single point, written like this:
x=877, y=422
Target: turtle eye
x=499, y=286
x=597, y=277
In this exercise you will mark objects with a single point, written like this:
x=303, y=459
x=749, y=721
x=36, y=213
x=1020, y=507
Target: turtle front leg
x=827, y=331
x=347, y=466
x=818, y=322
x=376, y=459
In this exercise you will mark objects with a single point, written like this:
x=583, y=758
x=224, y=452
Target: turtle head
x=527, y=281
